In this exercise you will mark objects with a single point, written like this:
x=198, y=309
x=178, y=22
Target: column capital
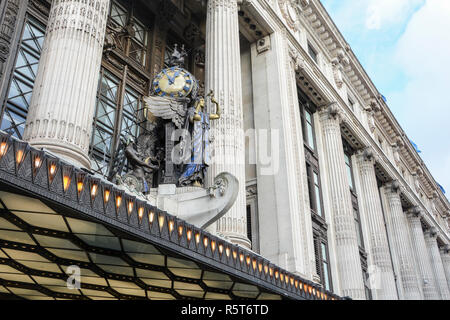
x=431, y=233
x=445, y=249
x=414, y=212
x=393, y=186
x=367, y=154
x=329, y=111
x=229, y=4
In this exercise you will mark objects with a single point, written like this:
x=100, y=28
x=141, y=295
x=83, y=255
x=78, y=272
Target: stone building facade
x=340, y=197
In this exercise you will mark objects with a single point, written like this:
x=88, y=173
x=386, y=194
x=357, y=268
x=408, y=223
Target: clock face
x=173, y=83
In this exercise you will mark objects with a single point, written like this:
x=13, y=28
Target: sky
x=404, y=46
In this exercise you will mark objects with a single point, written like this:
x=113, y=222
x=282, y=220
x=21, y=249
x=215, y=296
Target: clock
x=174, y=82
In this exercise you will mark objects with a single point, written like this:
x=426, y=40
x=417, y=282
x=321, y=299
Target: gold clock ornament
x=174, y=82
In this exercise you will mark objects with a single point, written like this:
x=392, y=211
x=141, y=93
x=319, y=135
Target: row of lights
x=253, y=262
x=37, y=162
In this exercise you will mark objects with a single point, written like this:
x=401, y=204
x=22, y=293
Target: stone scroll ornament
x=176, y=100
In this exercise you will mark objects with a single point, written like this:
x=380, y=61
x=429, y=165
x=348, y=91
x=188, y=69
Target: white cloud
x=384, y=12
x=423, y=108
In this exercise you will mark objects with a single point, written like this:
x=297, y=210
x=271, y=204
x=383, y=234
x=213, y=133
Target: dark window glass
x=358, y=227
x=312, y=52
x=24, y=75
x=104, y=122
x=110, y=108
x=119, y=111
x=136, y=43
x=249, y=222
x=310, y=138
x=325, y=268
x=322, y=263
x=367, y=285
x=317, y=194
x=351, y=104
x=348, y=166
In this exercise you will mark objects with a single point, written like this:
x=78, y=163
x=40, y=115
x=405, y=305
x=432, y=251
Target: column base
x=238, y=239
x=72, y=155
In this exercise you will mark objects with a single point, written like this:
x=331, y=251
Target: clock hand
x=171, y=80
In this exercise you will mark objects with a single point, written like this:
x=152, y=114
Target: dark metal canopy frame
x=54, y=215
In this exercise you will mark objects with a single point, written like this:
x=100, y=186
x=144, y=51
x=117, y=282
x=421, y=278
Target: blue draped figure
x=199, y=120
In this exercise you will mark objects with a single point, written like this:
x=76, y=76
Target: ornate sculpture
x=200, y=124
x=177, y=102
x=144, y=160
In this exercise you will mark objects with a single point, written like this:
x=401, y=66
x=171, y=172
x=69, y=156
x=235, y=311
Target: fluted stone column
x=223, y=75
x=436, y=263
x=445, y=257
x=398, y=227
x=418, y=241
x=347, y=250
x=379, y=255
x=63, y=101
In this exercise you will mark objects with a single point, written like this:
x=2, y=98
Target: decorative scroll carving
x=7, y=28
x=290, y=11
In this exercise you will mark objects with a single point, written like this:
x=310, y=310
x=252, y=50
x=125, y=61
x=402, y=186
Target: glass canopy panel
x=16, y=236
x=5, y=224
x=219, y=284
x=268, y=296
x=131, y=292
x=15, y=202
x=105, y=259
x=16, y=277
x=24, y=255
x=245, y=290
x=76, y=255
x=157, y=283
x=187, y=273
x=216, y=296
x=55, y=243
x=41, y=266
x=96, y=293
x=138, y=247
x=142, y=273
x=126, y=271
x=86, y=227
x=45, y=221
x=8, y=269
x=100, y=241
x=152, y=259
x=160, y=296
x=49, y=281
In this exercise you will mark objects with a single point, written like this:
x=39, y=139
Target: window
x=117, y=117
x=25, y=70
x=312, y=52
x=314, y=188
x=136, y=42
x=249, y=222
x=307, y=110
x=348, y=151
x=348, y=165
x=367, y=285
x=351, y=104
x=119, y=112
x=309, y=129
x=322, y=261
x=358, y=228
